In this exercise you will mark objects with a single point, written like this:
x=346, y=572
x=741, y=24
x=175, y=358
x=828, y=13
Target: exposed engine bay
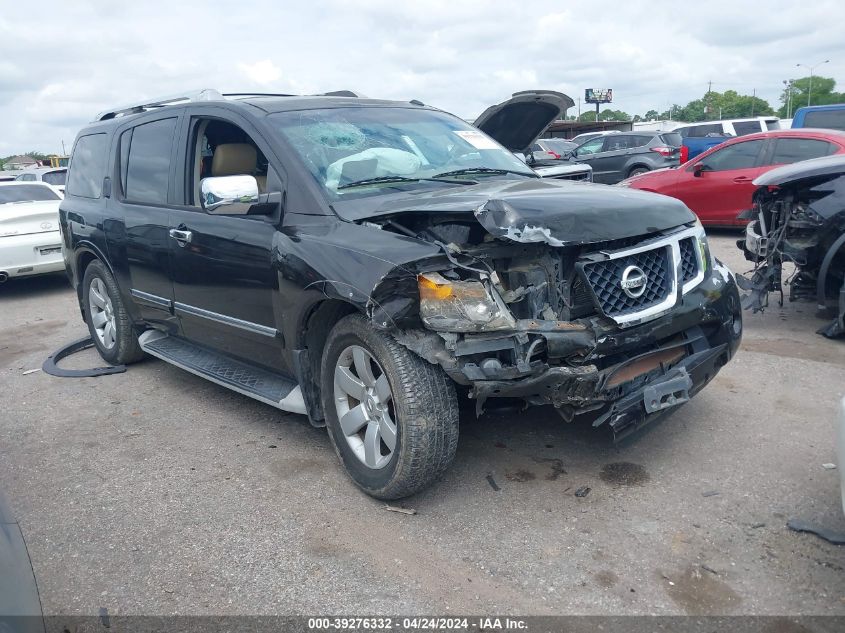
x=512, y=311
x=798, y=218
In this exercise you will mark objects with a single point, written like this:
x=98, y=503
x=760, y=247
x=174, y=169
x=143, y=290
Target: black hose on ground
x=51, y=367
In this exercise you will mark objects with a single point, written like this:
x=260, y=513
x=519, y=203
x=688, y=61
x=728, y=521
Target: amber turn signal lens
x=430, y=289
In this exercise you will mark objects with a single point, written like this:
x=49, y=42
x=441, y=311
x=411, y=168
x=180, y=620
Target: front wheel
x=107, y=318
x=392, y=417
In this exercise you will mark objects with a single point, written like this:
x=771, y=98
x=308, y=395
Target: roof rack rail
x=257, y=94
x=205, y=94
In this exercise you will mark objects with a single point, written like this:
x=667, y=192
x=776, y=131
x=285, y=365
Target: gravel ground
x=156, y=492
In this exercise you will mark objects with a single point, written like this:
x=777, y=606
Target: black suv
x=364, y=262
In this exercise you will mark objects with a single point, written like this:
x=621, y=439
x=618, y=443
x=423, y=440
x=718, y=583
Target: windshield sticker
x=477, y=139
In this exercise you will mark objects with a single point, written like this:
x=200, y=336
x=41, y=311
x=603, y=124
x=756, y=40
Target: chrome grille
x=605, y=279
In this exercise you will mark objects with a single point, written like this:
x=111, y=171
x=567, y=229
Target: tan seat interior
x=235, y=159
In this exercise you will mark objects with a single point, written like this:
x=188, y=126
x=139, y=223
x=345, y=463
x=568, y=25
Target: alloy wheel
x=102, y=313
x=364, y=403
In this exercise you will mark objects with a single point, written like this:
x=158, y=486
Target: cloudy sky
x=63, y=61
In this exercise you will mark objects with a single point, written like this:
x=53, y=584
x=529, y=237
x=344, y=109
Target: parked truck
x=824, y=116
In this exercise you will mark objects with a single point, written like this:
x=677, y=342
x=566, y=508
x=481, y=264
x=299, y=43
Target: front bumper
x=628, y=376
x=33, y=254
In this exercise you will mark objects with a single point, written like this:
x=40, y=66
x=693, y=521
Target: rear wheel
x=107, y=318
x=392, y=417
x=636, y=171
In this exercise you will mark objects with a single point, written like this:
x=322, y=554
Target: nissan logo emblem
x=633, y=281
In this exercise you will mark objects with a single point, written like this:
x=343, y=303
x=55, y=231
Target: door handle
x=741, y=179
x=181, y=237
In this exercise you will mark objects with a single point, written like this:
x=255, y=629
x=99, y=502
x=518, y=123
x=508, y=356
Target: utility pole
x=753, y=99
x=707, y=98
x=788, y=84
x=812, y=68
x=579, y=107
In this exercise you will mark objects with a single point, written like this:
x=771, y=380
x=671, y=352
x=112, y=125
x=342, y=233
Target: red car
x=717, y=184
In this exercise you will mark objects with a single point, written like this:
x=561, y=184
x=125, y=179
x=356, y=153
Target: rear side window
x=736, y=156
x=791, y=150
x=125, y=143
x=87, y=166
x=27, y=177
x=672, y=139
x=148, y=165
x=746, y=127
x=698, y=131
x=56, y=178
x=613, y=143
x=830, y=119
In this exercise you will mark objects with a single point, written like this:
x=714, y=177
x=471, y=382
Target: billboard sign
x=596, y=95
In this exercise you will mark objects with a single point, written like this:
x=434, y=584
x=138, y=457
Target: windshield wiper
x=389, y=179
x=377, y=180
x=482, y=170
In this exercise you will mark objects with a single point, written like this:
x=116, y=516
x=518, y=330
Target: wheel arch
x=312, y=334
x=84, y=254
x=635, y=166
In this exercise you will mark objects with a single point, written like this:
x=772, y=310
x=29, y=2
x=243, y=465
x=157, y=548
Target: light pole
x=788, y=84
x=812, y=68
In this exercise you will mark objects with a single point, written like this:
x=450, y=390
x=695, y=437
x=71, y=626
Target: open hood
x=824, y=166
x=519, y=121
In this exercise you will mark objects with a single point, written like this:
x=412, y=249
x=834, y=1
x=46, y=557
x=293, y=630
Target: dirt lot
x=157, y=492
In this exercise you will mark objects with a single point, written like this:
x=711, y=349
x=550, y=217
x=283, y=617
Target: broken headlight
x=702, y=245
x=460, y=306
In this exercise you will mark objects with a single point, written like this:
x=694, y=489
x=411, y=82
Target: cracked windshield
x=356, y=152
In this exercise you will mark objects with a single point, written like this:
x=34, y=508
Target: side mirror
x=228, y=195
x=697, y=169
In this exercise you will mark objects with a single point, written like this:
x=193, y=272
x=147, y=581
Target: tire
x=422, y=404
x=636, y=171
x=120, y=347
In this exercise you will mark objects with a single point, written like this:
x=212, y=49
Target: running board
x=270, y=388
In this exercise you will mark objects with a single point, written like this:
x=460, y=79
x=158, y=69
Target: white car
x=56, y=176
x=30, y=242
x=729, y=127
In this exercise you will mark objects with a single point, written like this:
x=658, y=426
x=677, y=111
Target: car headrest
x=232, y=159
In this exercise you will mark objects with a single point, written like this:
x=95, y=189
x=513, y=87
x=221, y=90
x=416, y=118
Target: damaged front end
x=799, y=218
x=625, y=328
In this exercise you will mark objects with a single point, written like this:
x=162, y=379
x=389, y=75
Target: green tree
x=605, y=115
x=799, y=89
x=651, y=115
x=720, y=105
